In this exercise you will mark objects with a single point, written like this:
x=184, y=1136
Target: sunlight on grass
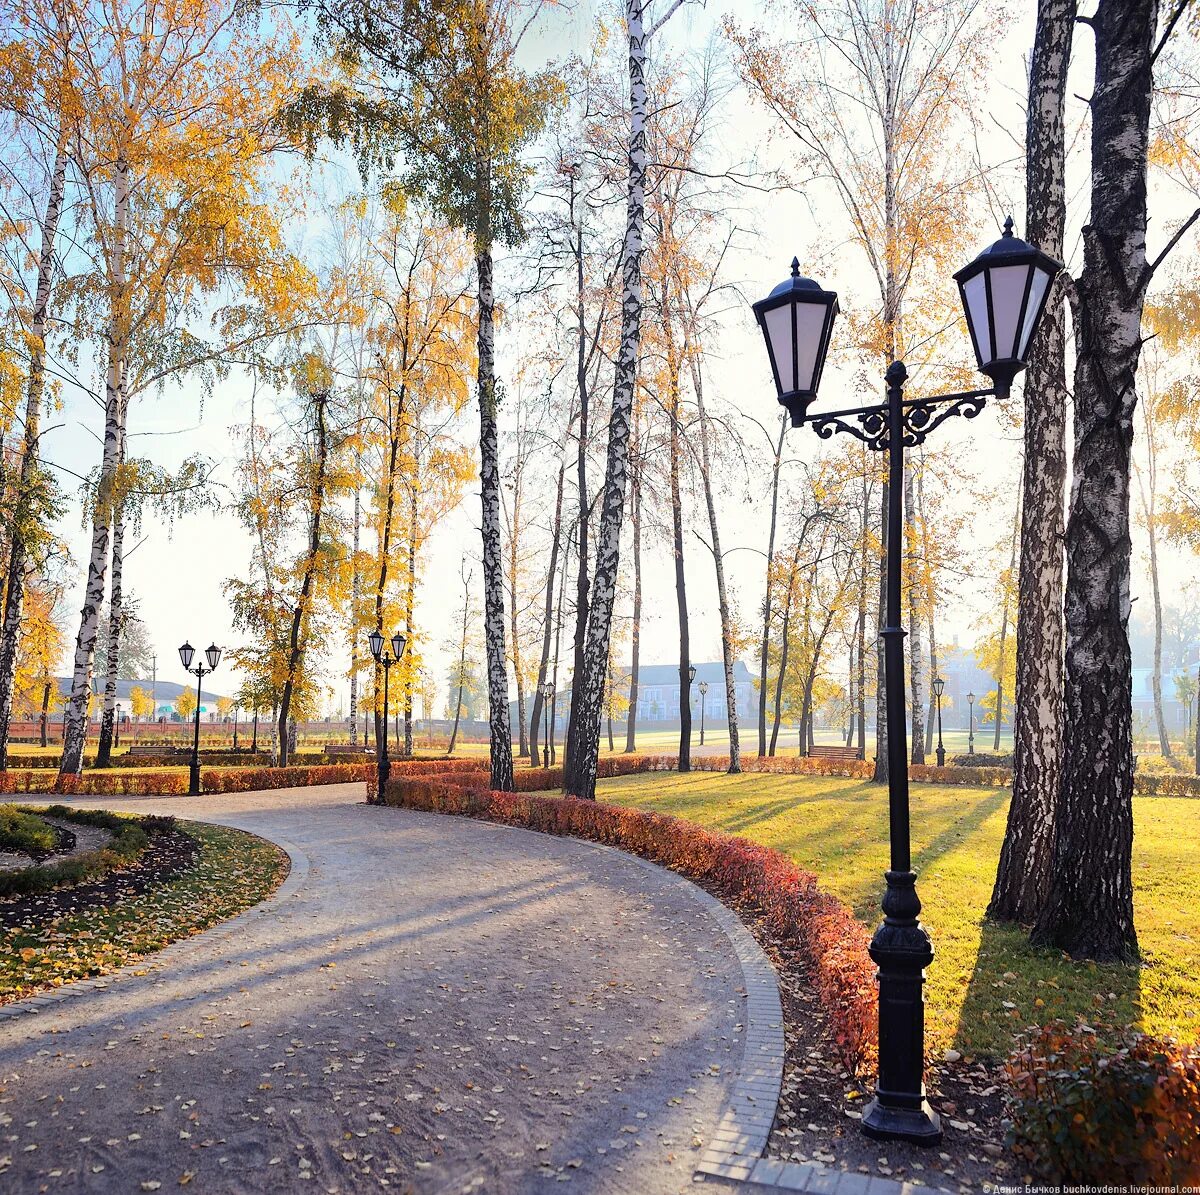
x=986, y=982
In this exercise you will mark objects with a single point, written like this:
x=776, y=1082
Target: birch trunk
x=493, y=561
x=1023, y=874
x=766, y=635
x=355, y=601
x=514, y=539
x=300, y=612
x=1090, y=908
x=1006, y=611
x=410, y=601
x=635, y=634
x=76, y=714
x=27, y=479
x=735, y=749
x=583, y=756
x=535, y=721
x=116, y=622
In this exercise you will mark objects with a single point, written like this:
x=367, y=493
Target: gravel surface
x=439, y=1005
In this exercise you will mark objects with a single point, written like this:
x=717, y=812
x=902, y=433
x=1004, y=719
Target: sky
x=178, y=572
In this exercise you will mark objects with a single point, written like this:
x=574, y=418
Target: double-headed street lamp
x=939, y=687
x=703, y=687
x=971, y=724
x=381, y=656
x=547, y=697
x=186, y=654
x=1004, y=292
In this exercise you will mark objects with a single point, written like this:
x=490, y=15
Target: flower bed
x=833, y=942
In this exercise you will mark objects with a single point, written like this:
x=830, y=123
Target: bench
x=158, y=751
x=835, y=753
x=347, y=749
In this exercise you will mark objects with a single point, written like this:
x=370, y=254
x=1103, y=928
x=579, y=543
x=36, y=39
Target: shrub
x=238, y=780
x=23, y=833
x=1083, y=1114
x=983, y=759
x=743, y=872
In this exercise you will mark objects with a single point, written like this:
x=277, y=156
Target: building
x=658, y=693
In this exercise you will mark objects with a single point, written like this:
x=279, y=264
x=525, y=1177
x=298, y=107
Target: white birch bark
x=1089, y=912
x=18, y=554
x=493, y=560
x=584, y=751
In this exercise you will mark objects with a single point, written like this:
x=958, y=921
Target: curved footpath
x=430, y=1004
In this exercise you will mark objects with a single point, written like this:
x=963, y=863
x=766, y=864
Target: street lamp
x=213, y=656
x=971, y=724
x=703, y=687
x=939, y=687
x=117, y=727
x=381, y=656
x=547, y=697
x=1004, y=292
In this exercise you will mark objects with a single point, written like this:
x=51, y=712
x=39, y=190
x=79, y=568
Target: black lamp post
x=703, y=687
x=381, y=656
x=547, y=697
x=186, y=654
x=939, y=687
x=236, y=708
x=971, y=724
x=117, y=727
x=1004, y=292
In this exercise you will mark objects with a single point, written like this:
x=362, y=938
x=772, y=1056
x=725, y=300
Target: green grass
x=23, y=833
x=838, y=829
x=233, y=871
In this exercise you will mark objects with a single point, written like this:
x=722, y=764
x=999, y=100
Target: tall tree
x=1089, y=912
x=1023, y=874
x=440, y=82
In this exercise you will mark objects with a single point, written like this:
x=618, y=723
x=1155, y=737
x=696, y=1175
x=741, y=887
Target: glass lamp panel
x=185, y=654
x=1037, y=292
x=810, y=326
x=375, y=639
x=213, y=653
x=975, y=298
x=779, y=338
x=1008, y=289
x=398, y=642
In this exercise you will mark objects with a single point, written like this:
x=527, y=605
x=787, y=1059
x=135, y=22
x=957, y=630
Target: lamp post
x=547, y=697
x=236, y=708
x=213, y=656
x=1004, y=292
x=382, y=657
x=939, y=687
x=971, y=724
x=117, y=726
x=703, y=687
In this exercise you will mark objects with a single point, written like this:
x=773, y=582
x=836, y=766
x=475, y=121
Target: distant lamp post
x=703, y=687
x=186, y=654
x=1004, y=292
x=117, y=727
x=386, y=660
x=236, y=707
x=971, y=724
x=939, y=687
x=547, y=697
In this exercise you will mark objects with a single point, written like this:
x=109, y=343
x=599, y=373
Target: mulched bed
x=821, y=1102
x=167, y=856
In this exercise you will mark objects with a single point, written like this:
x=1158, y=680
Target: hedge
x=833, y=943
x=159, y=783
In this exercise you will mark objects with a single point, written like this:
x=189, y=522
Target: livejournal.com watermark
x=1090, y=1189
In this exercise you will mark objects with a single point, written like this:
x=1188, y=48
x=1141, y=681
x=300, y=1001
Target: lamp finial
x=1008, y=227
x=795, y=267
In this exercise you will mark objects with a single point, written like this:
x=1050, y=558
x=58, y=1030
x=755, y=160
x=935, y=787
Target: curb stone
x=297, y=874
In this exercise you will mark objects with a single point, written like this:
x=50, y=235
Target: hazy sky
x=177, y=574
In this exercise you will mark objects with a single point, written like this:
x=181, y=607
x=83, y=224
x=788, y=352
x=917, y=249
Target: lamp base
x=886, y=1122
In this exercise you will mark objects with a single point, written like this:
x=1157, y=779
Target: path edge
x=298, y=870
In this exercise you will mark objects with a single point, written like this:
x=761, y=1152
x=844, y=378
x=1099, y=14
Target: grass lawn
x=233, y=871
x=986, y=982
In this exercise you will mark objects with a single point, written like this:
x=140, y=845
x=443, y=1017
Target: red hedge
x=833, y=942
x=148, y=782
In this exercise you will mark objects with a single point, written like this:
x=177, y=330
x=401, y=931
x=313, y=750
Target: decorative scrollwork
x=871, y=427
x=920, y=418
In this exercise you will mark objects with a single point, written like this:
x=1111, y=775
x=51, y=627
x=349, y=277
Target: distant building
x=165, y=692
x=658, y=692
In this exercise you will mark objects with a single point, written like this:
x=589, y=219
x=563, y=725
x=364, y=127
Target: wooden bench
x=149, y=750
x=348, y=749
x=835, y=753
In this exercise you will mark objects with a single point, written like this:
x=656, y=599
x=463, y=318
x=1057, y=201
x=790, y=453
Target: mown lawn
x=986, y=982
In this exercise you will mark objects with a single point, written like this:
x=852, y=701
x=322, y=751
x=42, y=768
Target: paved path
x=432, y=1004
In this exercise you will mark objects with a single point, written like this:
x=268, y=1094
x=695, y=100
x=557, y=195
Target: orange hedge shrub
x=1082, y=1114
x=833, y=942
x=240, y=780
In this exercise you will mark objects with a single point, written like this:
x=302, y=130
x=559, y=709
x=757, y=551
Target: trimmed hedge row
x=833, y=942
x=159, y=783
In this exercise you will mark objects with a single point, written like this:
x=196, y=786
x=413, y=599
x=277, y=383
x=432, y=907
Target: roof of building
x=668, y=674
